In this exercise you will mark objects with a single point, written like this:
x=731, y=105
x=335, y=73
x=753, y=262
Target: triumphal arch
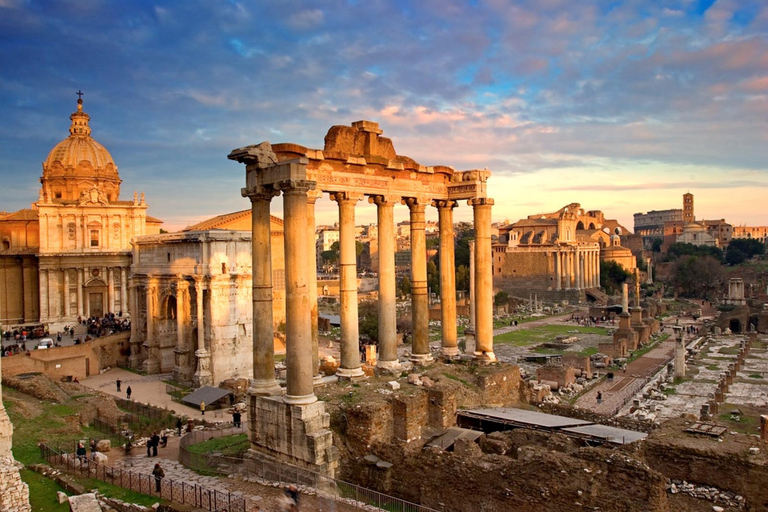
x=356, y=162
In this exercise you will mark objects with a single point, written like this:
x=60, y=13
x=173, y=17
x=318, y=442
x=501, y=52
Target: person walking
x=93, y=448
x=178, y=425
x=202, y=408
x=80, y=452
x=149, y=444
x=128, y=392
x=599, y=397
x=118, y=382
x=159, y=474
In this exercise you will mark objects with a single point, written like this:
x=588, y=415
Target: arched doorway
x=579, y=226
x=735, y=325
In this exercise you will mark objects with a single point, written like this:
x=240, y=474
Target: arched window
x=6, y=243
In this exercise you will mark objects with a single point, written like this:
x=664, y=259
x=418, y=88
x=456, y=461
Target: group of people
x=154, y=441
x=109, y=324
x=592, y=321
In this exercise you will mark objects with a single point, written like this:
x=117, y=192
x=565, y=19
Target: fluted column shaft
x=111, y=288
x=124, y=302
x=483, y=279
x=449, y=343
x=387, y=286
x=472, y=305
x=419, y=304
x=577, y=260
x=80, y=292
x=350, y=335
x=264, y=382
x=298, y=325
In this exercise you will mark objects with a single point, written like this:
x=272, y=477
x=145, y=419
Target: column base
x=300, y=399
x=484, y=357
x=421, y=359
x=317, y=380
x=134, y=360
x=265, y=387
x=289, y=433
x=202, y=379
x=389, y=366
x=350, y=373
x=150, y=366
x=450, y=352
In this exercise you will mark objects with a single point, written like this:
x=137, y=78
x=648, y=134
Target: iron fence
x=283, y=473
x=182, y=492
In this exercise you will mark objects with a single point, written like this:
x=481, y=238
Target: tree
x=462, y=278
x=433, y=278
x=612, y=276
x=368, y=321
x=742, y=249
x=679, y=249
x=657, y=243
x=405, y=285
x=697, y=276
x=501, y=299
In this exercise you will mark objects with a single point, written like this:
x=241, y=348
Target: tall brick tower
x=688, y=216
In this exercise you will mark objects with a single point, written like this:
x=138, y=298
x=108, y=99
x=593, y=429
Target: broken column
x=679, y=352
x=764, y=427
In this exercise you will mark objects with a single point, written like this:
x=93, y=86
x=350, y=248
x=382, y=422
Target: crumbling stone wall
x=14, y=494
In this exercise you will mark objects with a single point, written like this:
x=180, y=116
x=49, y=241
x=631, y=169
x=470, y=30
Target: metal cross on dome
x=79, y=94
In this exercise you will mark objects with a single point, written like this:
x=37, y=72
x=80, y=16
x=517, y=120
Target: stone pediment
x=93, y=196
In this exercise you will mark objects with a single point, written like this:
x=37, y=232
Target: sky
x=622, y=106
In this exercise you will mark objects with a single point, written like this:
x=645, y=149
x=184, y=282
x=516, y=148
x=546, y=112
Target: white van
x=44, y=343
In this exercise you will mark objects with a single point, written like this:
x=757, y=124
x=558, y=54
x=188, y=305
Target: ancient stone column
x=180, y=371
x=264, y=382
x=449, y=345
x=350, y=336
x=419, y=301
x=6, y=427
x=298, y=325
x=577, y=269
x=203, y=375
x=557, y=270
x=471, y=245
x=387, y=285
x=625, y=298
x=111, y=288
x=67, y=305
x=312, y=197
x=764, y=427
x=483, y=279
x=568, y=269
x=124, y=302
x=80, y=292
x=135, y=359
x=679, y=351
x=152, y=362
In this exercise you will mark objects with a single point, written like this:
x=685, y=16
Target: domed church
x=69, y=255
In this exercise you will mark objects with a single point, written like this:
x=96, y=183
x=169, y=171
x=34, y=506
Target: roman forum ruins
x=355, y=162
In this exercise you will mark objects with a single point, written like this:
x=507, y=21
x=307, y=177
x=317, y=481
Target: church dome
x=78, y=164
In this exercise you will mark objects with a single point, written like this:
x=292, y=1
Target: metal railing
x=182, y=492
x=284, y=473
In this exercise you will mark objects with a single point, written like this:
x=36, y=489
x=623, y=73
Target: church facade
x=69, y=255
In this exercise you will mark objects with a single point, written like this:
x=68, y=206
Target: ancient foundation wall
x=14, y=493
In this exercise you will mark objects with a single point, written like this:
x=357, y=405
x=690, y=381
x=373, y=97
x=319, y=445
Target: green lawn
x=229, y=446
x=544, y=333
x=42, y=493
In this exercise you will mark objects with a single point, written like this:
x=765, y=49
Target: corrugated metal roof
x=207, y=394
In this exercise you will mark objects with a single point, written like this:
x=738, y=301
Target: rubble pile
x=713, y=494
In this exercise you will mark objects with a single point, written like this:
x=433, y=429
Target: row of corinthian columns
x=299, y=197
x=48, y=298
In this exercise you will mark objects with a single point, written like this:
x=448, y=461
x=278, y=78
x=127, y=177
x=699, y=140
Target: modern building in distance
x=69, y=255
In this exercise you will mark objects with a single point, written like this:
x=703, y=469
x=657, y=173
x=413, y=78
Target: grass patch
x=42, y=492
x=647, y=348
x=279, y=358
x=669, y=391
x=536, y=335
x=712, y=367
x=113, y=491
x=755, y=375
x=589, y=351
x=230, y=446
x=744, y=425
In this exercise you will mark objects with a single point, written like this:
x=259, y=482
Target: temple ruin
x=355, y=162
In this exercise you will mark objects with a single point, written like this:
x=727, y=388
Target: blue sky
x=622, y=106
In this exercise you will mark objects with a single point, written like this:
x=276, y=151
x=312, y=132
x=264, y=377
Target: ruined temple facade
x=192, y=300
x=556, y=255
x=69, y=255
x=356, y=162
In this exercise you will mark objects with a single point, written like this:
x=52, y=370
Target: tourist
x=164, y=440
x=178, y=425
x=155, y=443
x=93, y=449
x=236, y=417
x=150, y=440
x=159, y=474
x=128, y=392
x=80, y=452
x=293, y=494
x=202, y=408
x=599, y=397
x=118, y=382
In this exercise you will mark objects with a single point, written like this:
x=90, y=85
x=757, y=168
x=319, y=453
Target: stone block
x=441, y=409
x=100, y=458
x=393, y=385
x=104, y=445
x=61, y=497
x=409, y=416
